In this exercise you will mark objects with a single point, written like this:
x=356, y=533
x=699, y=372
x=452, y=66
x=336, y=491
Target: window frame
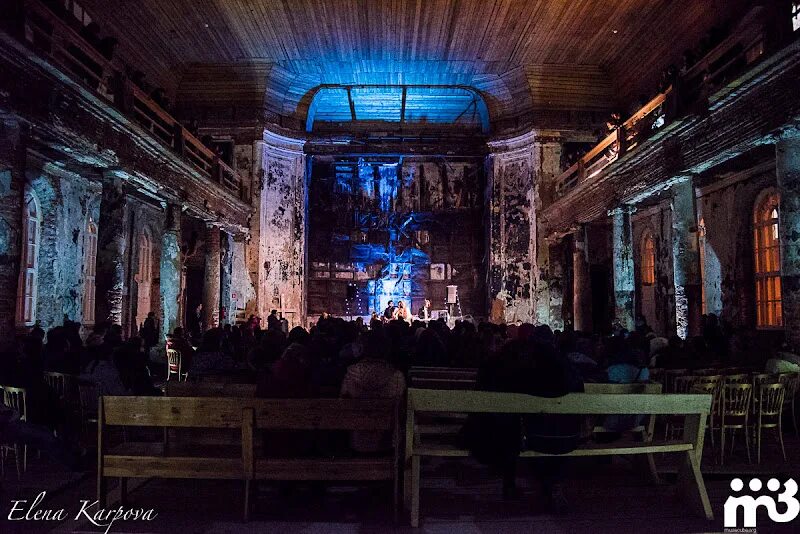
x=89, y=272
x=767, y=270
x=28, y=282
x=647, y=259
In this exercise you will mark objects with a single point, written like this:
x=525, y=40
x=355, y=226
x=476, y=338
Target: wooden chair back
x=763, y=378
x=87, y=395
x=57, y=382
x=173, y=363
x=770, y=400
x=790, y=381
x=683, y=384
x=739, y=378
x=17, y=399
x=669, y=378
x=736, y=399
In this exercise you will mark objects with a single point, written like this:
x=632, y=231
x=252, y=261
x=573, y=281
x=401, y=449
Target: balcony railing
x=57, y=41
x=743, y=47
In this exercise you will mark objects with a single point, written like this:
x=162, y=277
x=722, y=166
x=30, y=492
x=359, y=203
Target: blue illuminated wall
x=398, y=228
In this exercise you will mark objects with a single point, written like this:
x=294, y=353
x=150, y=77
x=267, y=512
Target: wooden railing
x=744, y=46
x=56, y=40
x=622, y=140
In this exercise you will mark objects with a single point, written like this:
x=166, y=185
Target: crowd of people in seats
x=352, y=359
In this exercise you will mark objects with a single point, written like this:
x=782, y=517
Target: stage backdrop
x=399, y=228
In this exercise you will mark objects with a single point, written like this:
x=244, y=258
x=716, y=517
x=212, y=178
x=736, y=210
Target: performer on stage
x=389, y=312
x=425, y=312
x=402, y=313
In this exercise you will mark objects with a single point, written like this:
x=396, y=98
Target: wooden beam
x=352, y=105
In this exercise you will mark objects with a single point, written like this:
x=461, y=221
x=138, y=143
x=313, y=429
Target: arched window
x=144, y=277
x=766, y=245
x=29, y=271
x=648, y=259
x=89, y=271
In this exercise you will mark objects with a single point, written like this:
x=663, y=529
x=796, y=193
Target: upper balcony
x=56, y=40
x=744, y=46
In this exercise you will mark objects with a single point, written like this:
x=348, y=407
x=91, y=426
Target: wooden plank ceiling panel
x=482, y=42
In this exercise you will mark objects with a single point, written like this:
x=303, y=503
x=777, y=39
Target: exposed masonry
x=788, y=167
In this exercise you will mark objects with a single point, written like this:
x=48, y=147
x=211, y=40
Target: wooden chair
x=680, y=385
x=174, y=364
x=790, y=381
x=738, y=378
x=712, y=389
x=17, y=399
x=57, y=382
x=669, y=378
x=769, y=414
x=735, y=408
x=87, y=395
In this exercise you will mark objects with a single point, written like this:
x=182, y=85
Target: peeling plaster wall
x=243, y=291
x=282, y=227
x=525, y=280
x=65, y=200
x=11, y=192
x=657, y=302
x=727, y=213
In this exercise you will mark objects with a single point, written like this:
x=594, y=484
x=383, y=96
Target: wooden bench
x=209, y=389
x=239, y=461
x=694, y=408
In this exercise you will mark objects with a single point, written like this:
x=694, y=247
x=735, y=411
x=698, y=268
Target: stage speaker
x=352, y=290
x=451, y=294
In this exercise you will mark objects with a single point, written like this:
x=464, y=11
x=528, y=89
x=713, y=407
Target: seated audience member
x=105, y=375
x=290, y=376
x=131, y=361
x=209, y=356
x=533, y=367
x=182, y=345
x=373, y=378
x=39, y=437
x=149, y=332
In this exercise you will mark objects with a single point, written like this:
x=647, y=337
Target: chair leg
x=722, y=445
x=246, y=501
x=747, y=442
x=123, y=491
x=24, y=458
x=780, y=437
x=17, y=461
x=758, y=444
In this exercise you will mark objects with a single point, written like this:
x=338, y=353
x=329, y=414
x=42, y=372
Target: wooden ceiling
x=559, y=54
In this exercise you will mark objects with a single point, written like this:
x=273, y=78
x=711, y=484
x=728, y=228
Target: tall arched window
x=766, y=245
x=144, y=278
x=648, y=260
x=29, y=271
x=89, y=271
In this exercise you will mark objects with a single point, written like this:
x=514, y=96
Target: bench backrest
x=188, y=412
x=640, y=387
x=428, y=400
x=209, y=389
x=226, y=412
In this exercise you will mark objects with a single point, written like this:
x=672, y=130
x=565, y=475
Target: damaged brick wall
x=282, y=227
x=656, y=303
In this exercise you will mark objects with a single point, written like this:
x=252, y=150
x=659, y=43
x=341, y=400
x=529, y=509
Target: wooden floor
x=457, y=496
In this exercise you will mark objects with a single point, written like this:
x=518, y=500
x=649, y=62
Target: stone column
x=170, y=270
x=226, y=279
x=581, y=282
x=624, y=284
x=686, y=260
x=788, y=170
x=110, y=277
x=211, y=278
